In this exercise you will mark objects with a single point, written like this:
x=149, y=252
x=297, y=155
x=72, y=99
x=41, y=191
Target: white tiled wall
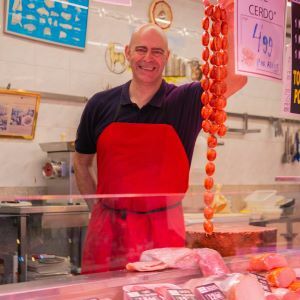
x=26, y=64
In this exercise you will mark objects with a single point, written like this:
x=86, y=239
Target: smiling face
x=147, y=54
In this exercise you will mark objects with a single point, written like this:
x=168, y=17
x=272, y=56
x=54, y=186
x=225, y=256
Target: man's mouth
x=147, y=68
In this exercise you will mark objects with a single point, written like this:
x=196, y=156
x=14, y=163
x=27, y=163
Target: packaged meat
x=285, y=294
x=291, y=296
x=281, y=277
x=295, y=286
x=267, y=262
x=297, y=270
x=246, y=288
x=234, y=286
x=146, y=266
x=211, y=262
x=224, y=282
x=263, y=281
x=271, y=297
x=182, y=258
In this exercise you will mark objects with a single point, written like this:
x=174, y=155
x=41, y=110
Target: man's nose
x=148, y=55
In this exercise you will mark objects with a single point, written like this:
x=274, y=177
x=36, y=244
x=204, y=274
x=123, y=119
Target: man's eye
x=141, y=50
x=158, y=52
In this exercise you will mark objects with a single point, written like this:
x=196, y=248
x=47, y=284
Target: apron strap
x=123, y=212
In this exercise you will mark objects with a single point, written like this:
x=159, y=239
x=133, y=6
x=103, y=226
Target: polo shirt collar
x=156, y=101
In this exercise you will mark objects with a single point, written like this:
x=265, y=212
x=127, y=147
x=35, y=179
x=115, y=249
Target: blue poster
x=61, y=22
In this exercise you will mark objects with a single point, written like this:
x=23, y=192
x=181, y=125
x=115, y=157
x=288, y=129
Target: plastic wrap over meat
x=281, y=277
x=224, y=282
x=210, y=262
x=146, y=266
x=267, y=262
x=182, y=258
x=285, y=294
x=247, y=288
x=235, y=286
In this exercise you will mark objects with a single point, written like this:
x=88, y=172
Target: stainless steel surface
x=54, y=96
x=60, y=216
x=260, y=117
x=58, y=146
x=61, y=153
x=23, y=248
x=43, y=209
x=63, y=97
x=245, y=128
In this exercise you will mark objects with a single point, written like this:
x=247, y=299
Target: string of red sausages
x=215, y=58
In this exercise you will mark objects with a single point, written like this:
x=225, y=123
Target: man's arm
x=234, y=82
x=84, y=176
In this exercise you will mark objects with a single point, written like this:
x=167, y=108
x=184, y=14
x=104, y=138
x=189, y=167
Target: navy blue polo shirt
x=178, y=106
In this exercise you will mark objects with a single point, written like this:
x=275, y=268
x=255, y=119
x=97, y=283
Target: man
x=144, y=134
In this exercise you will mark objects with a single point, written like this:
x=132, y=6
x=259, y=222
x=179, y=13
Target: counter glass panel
x=80, y=246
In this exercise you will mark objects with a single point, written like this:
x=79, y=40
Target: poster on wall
x=259, y=38
x=59, y=22
x=295, y=53
x=18, y=113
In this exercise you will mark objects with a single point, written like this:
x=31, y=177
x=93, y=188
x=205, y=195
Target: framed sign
x=115, y=58
x=18, y=113
x=59, y=22
x=161, y=13
x=259, y=38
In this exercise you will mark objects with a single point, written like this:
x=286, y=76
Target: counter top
x=92, y=286
x=109, y=284
x=42, y=209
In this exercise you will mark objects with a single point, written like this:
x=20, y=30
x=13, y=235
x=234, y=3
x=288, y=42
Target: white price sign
x=259, y=37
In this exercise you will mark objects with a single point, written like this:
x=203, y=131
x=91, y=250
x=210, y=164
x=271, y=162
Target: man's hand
x=85, y=179
x=234, y=82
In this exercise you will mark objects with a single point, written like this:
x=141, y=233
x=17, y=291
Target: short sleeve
x=86, y=137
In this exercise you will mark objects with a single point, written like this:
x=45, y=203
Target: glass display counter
x=44, y=239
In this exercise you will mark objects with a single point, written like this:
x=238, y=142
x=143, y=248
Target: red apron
x=140, y=159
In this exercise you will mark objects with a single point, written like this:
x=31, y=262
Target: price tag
x=209, y=292
x=259, y=37
x=142, y=295
x=263, y=281
x=182, y=294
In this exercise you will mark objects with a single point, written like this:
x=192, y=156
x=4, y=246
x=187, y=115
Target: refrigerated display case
x=43, y=241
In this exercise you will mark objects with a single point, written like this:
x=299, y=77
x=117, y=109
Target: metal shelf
x=63, y=97
x=246, y=118
x=55, y=96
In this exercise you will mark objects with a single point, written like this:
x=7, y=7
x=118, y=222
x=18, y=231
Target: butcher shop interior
x=150, y=149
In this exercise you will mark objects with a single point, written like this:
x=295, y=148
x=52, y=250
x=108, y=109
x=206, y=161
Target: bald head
x=147, y=54
x=150, y=30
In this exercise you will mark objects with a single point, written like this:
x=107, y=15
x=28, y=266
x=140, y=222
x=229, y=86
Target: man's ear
x=127, y=52
x=168, y=54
